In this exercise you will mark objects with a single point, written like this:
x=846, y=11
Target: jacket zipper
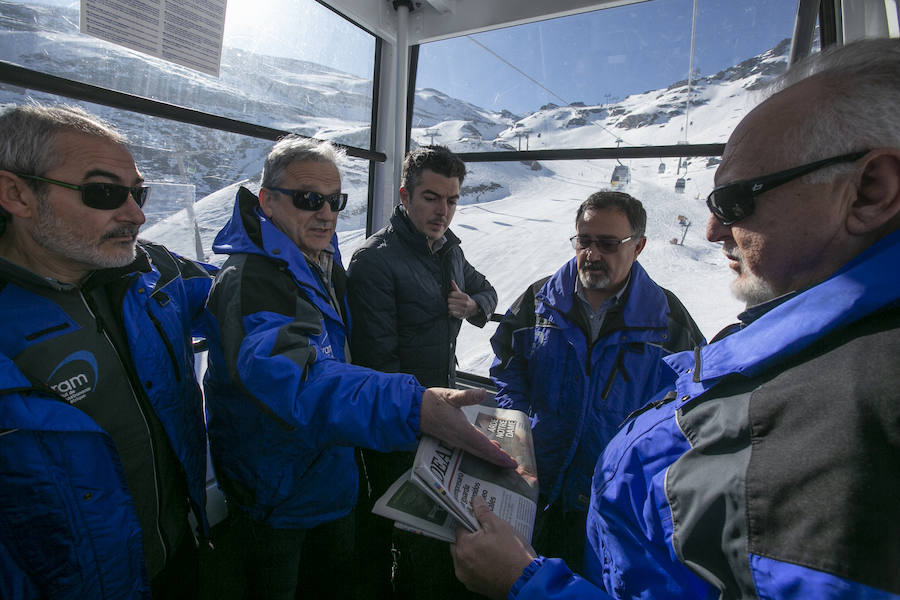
x=169, y=349
x=619, y=365
x=102, y=330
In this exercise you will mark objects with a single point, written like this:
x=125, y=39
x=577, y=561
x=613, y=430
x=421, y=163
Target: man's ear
x=639, y=247
x=404, y=197
x=265, y=202
x=877, y=200
x=16, y=198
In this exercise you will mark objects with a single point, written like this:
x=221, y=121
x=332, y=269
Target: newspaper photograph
x=413, y=510
x=453, y=478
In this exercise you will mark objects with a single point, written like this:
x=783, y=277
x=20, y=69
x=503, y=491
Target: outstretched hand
x=459, y=303
x=443, y=419
x=490, y=560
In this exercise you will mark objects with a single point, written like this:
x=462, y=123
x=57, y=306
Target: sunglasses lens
x=607, y=246
x=730, y=204
x=315, y=201
x=308, y=200
x=104, y=196
x=140, y=195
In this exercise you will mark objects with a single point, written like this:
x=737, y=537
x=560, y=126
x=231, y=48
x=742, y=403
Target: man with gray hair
x=102, y=449
x=579, y=351
x=285, y=406
x=771, y=468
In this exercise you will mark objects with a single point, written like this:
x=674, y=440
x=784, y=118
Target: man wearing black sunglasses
x=102, y=450
x=285, y=406
x=579, y=350
x=771, y=468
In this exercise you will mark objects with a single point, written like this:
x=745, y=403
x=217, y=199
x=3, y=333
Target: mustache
x=732, y=253
x=594, y=265
x=123, y=231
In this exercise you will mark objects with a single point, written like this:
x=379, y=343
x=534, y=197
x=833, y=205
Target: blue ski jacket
x=771, y=469
x=579, y=393
x=68, y=527
x=285, y=408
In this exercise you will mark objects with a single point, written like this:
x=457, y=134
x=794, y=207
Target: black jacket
x=398, y=292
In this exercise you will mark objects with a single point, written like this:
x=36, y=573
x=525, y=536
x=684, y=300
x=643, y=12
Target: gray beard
x=593, y=280
x=52, y=234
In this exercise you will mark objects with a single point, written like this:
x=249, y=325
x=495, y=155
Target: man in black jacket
x=410, y=287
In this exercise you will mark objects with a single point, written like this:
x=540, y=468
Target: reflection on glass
x=582, y=81
x=282, y=65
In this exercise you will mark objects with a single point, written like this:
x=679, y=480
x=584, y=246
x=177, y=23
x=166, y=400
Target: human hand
x=443, y=419
x=490, y=560
x=459, y=303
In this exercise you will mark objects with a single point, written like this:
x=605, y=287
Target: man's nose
x=131, y=212
x=715, y=231
x=325, y=213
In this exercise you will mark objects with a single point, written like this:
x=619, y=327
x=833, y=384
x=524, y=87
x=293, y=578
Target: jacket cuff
x=414, y=420
x=526, y=575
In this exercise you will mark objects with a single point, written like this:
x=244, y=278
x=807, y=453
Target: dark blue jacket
x=68, y=528
x=771, y=469
x=285, y=407
x=578, y=393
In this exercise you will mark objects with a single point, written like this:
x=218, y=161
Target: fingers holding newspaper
x=442, y=418
x=490, y=560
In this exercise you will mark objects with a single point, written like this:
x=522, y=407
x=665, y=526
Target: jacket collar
x=249, y=231
x=13, y=272
x=865, y=285
x=414, y=238
x=642, y=301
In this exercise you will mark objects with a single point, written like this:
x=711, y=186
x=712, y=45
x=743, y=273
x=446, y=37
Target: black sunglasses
x=99, y=195
x=313, y=200
x=732, y=202
x=604, y=245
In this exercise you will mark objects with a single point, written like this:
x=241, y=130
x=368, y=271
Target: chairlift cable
x=538, y=83
x=687, y=100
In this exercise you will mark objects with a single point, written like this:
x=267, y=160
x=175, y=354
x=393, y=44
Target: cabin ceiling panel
x=433, y=20
x=440, y=19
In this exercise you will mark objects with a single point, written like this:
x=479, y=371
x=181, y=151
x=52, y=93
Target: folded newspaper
x=436, y=494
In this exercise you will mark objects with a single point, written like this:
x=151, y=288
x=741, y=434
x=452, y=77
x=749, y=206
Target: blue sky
x=615, y=52
x=592, y=57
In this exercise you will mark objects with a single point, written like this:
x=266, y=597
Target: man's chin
x=751, y=290
x=593, y=282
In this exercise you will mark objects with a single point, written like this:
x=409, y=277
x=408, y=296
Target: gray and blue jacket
x=285, y=408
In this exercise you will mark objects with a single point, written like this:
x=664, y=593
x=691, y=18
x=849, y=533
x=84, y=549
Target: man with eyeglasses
x=285, y=406
x=102, y=449
x=410, y=288
x=771, y=468
x=579, y=351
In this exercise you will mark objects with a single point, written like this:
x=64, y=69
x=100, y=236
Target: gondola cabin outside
x=679, y=185
x=621, y=177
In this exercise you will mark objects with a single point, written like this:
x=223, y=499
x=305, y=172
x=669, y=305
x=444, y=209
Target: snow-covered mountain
x=514, y=218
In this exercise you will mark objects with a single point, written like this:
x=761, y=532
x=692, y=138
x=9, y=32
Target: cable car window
x=290, y=65
x=515, y=220
x=194, y=173
x=587, y=80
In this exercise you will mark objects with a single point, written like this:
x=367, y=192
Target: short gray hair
x=295, y=148
x=28, y=135
x=858, y=109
